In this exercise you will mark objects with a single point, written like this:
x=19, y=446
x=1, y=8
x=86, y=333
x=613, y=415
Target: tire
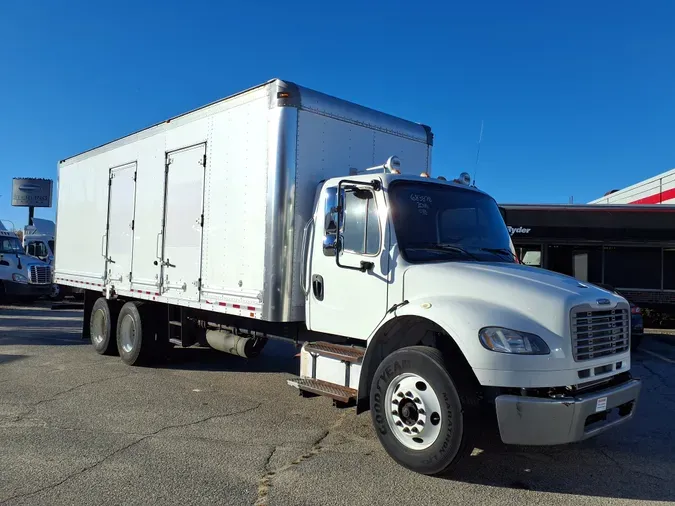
x=56, y=293
x=102, y=327
x=135, y=334
x=415, y=384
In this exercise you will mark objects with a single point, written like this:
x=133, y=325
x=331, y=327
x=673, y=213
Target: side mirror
x=331, y=242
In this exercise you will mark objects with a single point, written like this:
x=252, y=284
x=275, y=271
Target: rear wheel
x=135, y=334
x=422, y=419
x=102, y=326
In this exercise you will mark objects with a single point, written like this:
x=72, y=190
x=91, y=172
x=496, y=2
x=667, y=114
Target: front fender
x=461, y=318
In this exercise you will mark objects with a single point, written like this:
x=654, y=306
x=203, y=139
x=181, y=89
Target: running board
x=343, y=395
x=331, y=370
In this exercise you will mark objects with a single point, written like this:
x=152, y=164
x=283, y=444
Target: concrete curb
x=666, y=336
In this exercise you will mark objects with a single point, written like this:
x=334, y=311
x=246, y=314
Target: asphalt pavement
x=206, y=428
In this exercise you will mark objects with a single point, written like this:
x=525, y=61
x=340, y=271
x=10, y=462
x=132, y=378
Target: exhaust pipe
x=247, y=347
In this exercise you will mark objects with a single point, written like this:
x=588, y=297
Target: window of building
x=633, y=267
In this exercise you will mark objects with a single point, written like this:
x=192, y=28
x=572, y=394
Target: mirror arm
x=364, y=266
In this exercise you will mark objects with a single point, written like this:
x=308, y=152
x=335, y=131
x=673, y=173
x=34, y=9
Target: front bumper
x=14, y=289
x=550, y=421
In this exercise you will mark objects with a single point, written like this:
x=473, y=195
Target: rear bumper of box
x=550, y=421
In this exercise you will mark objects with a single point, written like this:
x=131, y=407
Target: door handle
x=317, y=286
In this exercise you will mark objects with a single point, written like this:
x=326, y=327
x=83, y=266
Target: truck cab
x=23, y=277
x=424, y=271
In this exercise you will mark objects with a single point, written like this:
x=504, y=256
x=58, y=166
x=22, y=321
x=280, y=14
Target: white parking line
x=657, y=355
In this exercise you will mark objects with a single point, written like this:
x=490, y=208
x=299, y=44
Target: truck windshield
x=10, y=245
x=437, y=222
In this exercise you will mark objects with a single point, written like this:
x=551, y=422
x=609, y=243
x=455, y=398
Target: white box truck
x=281, y=212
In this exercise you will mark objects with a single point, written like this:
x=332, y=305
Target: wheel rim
x=98, y=326
x=413, y=411
x=55, y=291
x=128, y=333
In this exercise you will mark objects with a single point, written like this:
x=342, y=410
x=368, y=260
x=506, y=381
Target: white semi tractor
x=282, y=212
x=39, y=241
x=23, y=278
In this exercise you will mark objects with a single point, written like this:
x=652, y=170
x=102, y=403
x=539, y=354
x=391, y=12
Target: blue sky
x=577, y=97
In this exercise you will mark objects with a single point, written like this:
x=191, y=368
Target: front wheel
x=418, y=412
x=56, y=294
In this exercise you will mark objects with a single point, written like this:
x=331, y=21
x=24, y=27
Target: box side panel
x=83, y=199
x=82, y=212
x=235, y=202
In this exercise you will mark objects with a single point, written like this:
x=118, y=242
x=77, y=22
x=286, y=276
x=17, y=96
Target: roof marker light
x=393, y=164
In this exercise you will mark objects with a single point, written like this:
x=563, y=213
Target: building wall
x=659, y=189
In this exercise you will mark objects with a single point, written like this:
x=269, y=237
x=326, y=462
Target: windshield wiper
x=503, y=251
x=441, y=247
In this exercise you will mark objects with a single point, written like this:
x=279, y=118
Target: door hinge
x=135, y=174
x=202, y=162
x=133, y=224
x=198, y=284
x=201, y=220
x=110, y=180
x=130, y=276
x=168, y=162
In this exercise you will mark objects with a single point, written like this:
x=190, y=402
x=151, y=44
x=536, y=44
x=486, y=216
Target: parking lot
x=79, y=428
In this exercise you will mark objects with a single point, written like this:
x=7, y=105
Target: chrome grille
x=599, y=333
x=40, y=274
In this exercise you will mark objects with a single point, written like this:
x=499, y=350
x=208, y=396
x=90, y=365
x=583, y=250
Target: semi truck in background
x=282, y=212
x=39, y=241
x=23, y=278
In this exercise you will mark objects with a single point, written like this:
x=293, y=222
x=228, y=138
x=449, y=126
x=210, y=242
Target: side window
x=41, y=250
x=52, y=246
x=361, y=223
x=31, y=249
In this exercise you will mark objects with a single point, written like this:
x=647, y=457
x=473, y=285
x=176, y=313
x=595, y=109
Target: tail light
x=635, y=310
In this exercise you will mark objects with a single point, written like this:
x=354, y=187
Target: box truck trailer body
x=206, y=210
x=282, y=212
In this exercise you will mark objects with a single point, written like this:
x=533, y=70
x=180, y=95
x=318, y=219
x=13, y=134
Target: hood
x=544, y=296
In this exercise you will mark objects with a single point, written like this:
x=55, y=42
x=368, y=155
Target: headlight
x=504, y=340
x=19, y=278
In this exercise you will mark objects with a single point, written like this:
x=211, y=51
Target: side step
x=331, y=370
x=318, y=387
x=352, y=354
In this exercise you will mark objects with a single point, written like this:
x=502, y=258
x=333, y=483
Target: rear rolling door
x=183, y=222
x=120, y=237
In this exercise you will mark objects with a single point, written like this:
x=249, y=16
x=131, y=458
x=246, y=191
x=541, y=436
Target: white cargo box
x=207, y=209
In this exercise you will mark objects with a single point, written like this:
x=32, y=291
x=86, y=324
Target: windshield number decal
x=423, y=202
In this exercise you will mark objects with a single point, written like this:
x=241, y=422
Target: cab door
x=347, y=282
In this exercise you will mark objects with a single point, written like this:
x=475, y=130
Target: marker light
x=393, y=165
x=442, y=178
x=424, y=174
x=465, y=178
